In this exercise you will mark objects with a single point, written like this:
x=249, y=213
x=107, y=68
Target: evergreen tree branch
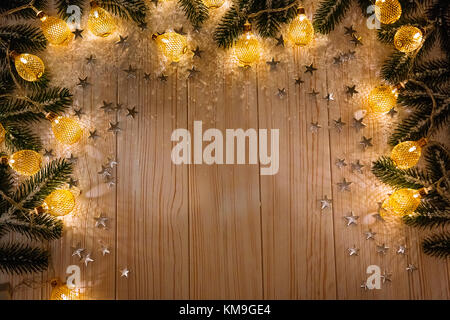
x=437, y=245
x=34, y=226
x=19, y=137
x=329, y=14
x=195, y=10
x=18, y=258
x=135, y=10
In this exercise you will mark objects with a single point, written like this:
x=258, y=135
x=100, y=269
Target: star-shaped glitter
x=340, y=163
x=281, y=92
x=386, y=276
x=314, y=127
x=48, y=153
x=105, y=171
x=124, y=273
x=392, y=112
x=78, y=112
x=77, y=252
x=192, y=72
x=131, y=72
x=114, y=127
x=366, y=142
x=143, y=26
x=197, y=52
x=351, y=54
x=325, y=203
x=280, y=41
x=110, y=181
x=356, y=166
x=310, y=69
x=111, y=163
x=411, y=267
x=273, y=64
x=132, y=112
x=370, y=235
x=349, y=30
x=313, y=93
x=358, y=124
x=356, y=40
x=298, y=81
x=83, y=83
x=364, y=285
x=351, y=90
x=353, y=251
x=72, y=158
x=382, y=249
x=338, y=124
x=123, y=41
x=329, y=97
x=351, y=219
x=107, y=106
x=163, y=77
x=147, y=76
x=87, y=259
x=337, y=59
x=180, y=31
x=90, y=60
x=118, y=107
x=101, y=221
x=401, y=249
x=344, y=185
x=93, y=135
x=105, y=250
x=72, y=182
x=78, y=33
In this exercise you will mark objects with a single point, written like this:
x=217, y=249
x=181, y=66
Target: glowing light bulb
x=408, y=39
x=60, y=291
x=58, y=203
x=382, y=98
x=24, y=162
x=213, y=3
x=2, y=133
x=173, y=45
x=402, y=202
x=55, y=30
x=247, y=48
x=406, y=154
x=388, y=11
x=301, y=31
x=65, y=129
x=100, y=22
x=28, y=66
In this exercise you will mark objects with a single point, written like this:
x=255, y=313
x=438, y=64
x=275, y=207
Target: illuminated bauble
x=388, y=11
x=172, y=45
x=301, y=31
x=59, y=202
x=402, y=202
x=247, y=48
x=213, y=3
x=28, y=66
x=60, y=291
x=65, y=129
x=2, y=133
x=100, y=22
x=406, y=154
x=25, y=162
x=55, y=30
x=408, y=38
x=382, y=98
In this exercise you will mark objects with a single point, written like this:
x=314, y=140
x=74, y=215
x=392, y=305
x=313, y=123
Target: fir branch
x=387, y=172
x=231, y=25
x=437, y=161
x=22, y=38
x=396, y=68
x=6, y=185
x=269, y=20
x=437, y=245
x=19, y=137
x=34, y=226
x=135, y=10
x=195, y=10
x=21, y=9
x=435, y=73
x=426, y=220
x=20, y=258
x=329, y=14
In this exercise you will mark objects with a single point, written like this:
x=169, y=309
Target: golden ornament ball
x=407, y=39
x=301, y=31
x=55, y=30
x=388, y=11
x=172, y=45
x=25, y=162
x=60, y=291
x=28, y=66
x=59, y=202
x=2, y=133
x=65, y=129
x=213, y=3
x=100, y=21
x=247, y=48
x=406, y=154
x=402, y=202
x=382, y=98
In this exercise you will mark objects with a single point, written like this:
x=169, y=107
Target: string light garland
x=382, y=98
x=60, y=291
x=247, y=48
x=24, y=162
x=28, y=66
x=100, y=22
x=301, y=31
x=406, y=154
x=55, y=30
x=402, y=202
x=408, y=38
x=58, y=203
x=66, y=130
x=171, y=44
x=388, y=11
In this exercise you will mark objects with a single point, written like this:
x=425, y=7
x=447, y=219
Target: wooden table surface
x=225, y=231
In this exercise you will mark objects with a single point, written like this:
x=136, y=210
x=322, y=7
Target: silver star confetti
x=192, y=72
x=147, y=76
x=325, y=203
x=386, y=276
x=114, y=127
x=93, y=135
x=280, y=41
x=349, y=30
x=366, y=142
x=338, y=124
x=90, y=60
x=78, y=252
x=281, y=93
x=87, y=259
x=163, y=78
x=340, y=163
x=105, y=172
x=107, y=106
x=411, y=267
x=344, y=185
x=353, y=251
x=83, y=83
x=273, y=64
x=72, y=159
x=356, y=166
x=123, y=41
x=370, y=235
x=298, y=81
x=105, y=250
x=197, y=52
x=358, y=124
x=131, y=72
x=351, y=90
x=310, y=69
x=314, y=127
x=48, y=153
x=111, y=163
x=313, y=93
x=132, y=112
x=401, y=249
x=78, y=33
x=124, y=273
x=78, y=112
x=382, y=249
x=101, y=221
x=351, y=219
x=329, y=97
